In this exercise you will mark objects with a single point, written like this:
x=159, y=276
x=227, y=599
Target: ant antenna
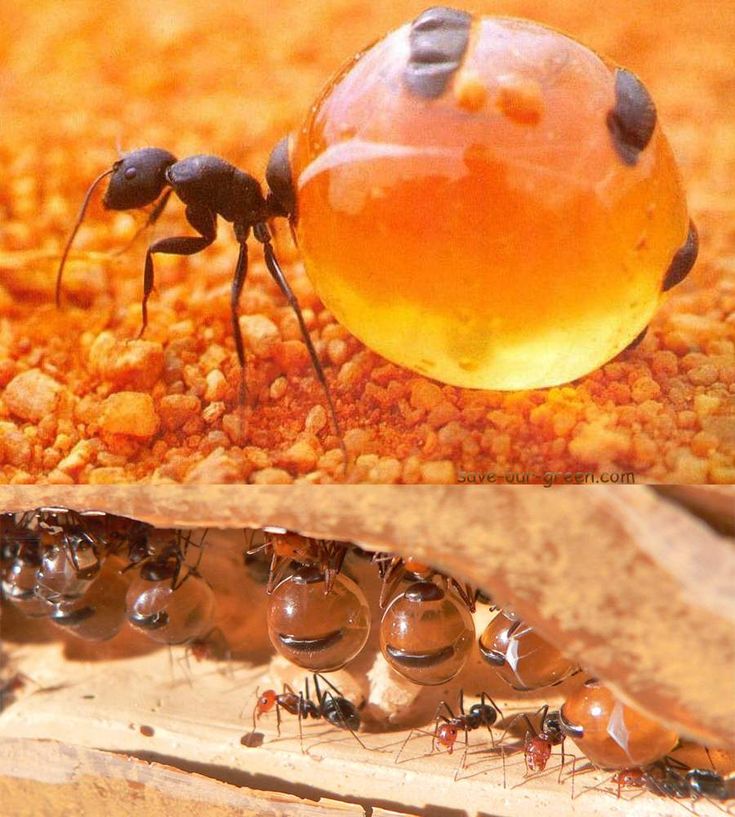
x=77, y=225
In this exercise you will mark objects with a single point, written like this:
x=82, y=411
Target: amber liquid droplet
x=493, y=247
x=615, y=736
x=318, y=630
x=528, y=661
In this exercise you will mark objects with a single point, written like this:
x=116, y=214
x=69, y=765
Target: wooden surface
x=154, y=707
x=42, y=778
x=636, y=589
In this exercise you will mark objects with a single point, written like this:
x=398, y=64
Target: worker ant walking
x=448, y=725
x=209, y=187
x=330, y=705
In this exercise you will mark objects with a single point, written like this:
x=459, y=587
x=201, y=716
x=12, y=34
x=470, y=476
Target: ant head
x=138, y=178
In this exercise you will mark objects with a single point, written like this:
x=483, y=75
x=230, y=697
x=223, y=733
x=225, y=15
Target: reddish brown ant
x=330, y=705
x=285, y=547
x=448, y=726
x=395, y=569
x=538, y=744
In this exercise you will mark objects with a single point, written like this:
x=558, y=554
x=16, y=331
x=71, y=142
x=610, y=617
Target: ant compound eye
x=131, y=173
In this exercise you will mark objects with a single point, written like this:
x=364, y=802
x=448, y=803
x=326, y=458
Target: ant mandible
x=209, y=187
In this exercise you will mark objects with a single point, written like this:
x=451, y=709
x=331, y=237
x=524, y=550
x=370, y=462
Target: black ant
x=676, y=779
x=209, y=187
x=330, y=705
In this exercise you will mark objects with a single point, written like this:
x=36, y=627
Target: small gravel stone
x=32, y=395
x=259, y=334
x=135, y=364
x=131, y=413
x=300, y=456
x=177, y=409
x=216, y=386
x=425, y=394
x=271, y=476
x=439, y=472
x=316, y=419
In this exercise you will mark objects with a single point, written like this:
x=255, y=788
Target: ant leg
x=466, y=747
x=151, y=219
x=405, y=743
x=262, y=234
x=563, y=759
x=391, y=579
x=301, y=728
x=465, y=592
x=513, y=721
x=325, y=680
x=204, y=221
x=354, y=734
x=238, y=281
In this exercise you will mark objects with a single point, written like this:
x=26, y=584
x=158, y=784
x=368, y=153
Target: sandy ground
x=81, y=402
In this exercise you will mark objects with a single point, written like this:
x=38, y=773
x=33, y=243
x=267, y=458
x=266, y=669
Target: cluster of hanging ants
x=73, y=568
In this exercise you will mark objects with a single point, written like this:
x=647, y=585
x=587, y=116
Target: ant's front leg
x=204, y=221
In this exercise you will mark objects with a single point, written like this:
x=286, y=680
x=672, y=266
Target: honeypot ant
x=158, y=563
x=394, y=569
x=285, y=546
x=330, y=705
x=209, y=187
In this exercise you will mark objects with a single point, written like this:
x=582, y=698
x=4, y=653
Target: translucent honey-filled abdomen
x=514, y=230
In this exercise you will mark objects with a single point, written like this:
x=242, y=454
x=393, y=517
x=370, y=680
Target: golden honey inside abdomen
x=492, y=237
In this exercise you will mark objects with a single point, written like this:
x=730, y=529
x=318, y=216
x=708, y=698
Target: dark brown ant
x=209, y=187
x=673, y=778
x=330, y=705
x=158, y=562
x=394, y=569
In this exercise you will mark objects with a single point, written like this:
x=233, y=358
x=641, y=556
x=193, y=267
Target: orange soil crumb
x=81, y=401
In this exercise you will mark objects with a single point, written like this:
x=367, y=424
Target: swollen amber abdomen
x=520, y=657
x=315, y=627
x=613, y=735
x=513, y=230
x=426, y=634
